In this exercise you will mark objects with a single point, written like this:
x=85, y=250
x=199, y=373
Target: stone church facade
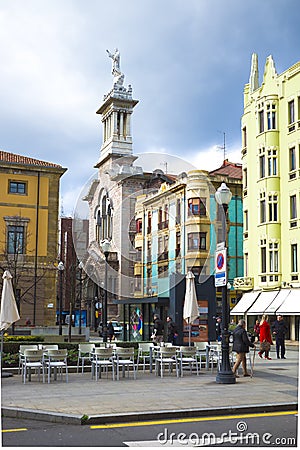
x=112, y=197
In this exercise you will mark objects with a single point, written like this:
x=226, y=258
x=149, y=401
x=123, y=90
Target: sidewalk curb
x=47, y=416
x=144, y=415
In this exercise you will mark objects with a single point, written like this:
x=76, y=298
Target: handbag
x=265, y=346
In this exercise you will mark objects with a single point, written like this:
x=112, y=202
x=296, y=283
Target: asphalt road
x=264, y=430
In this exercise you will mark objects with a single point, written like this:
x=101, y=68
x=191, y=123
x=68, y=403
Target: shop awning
x=262, y=302
x=277, y=302
x=291, y=304
x=245, y=303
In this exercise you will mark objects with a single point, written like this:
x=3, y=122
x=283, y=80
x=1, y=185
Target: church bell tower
x=115, y=112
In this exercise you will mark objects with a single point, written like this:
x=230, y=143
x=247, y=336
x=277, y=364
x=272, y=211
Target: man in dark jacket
x=158, y=329
x=280, y=329
x=241, y=344
x=172, y=330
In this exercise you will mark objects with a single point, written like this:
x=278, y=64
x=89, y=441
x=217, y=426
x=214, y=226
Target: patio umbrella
x=9, y=311
x=190, y=308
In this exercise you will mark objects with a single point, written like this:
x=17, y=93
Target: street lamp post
x=225, y=375
x=80, y=267
x=61, y=269
x=105, y=246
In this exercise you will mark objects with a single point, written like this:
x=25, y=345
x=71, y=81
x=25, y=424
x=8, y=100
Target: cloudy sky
x=187, y=62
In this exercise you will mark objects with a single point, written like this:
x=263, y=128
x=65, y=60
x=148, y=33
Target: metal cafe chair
x=187, y=356
x=84, y=354
x=124, y=357
x=102, y=358
x=46, y=348
x=33, y=359
x=57, y=360
x=22, y=349
x=202, y=353
x=214, y=356
x=166, y=355
x=144, y=353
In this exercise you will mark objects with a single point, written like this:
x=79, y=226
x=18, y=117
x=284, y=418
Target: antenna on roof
x=223, y=147
x=164, y=163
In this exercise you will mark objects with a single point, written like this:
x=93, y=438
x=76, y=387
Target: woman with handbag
x=265, y=337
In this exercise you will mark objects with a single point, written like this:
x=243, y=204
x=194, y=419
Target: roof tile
x=19, y=159
x=232, y=170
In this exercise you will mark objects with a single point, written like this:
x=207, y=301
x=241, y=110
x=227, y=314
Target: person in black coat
x=241, y=344
x=110, y=331
x=280, y=329
x=158, y=329
x=172, y=330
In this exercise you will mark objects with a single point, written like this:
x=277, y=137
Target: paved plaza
x=273, y=386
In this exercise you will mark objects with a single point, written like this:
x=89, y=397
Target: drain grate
x=278, y=368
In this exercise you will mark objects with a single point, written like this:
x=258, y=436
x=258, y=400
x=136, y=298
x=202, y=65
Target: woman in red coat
x=264, y=336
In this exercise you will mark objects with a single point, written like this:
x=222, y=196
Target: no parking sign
x=220, y=267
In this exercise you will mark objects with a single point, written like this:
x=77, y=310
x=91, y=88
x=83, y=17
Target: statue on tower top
x=116, y=71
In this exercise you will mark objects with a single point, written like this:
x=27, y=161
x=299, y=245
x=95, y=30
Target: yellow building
x=271, y=181
x=29, y=203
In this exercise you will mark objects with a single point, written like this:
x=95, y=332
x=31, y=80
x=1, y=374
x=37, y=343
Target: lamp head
x=223, y=195
x=105, y=245
x=60, y=266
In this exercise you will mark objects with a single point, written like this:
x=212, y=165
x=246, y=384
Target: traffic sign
x=220, y=261
x=220, y=267
x=220, y=246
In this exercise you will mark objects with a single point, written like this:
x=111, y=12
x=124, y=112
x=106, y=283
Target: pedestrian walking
x=241, y=344
x=265, y=337
x=280, y=329
x=172, y=330
x=256, y=329
x=158, y=329
x=110, y=331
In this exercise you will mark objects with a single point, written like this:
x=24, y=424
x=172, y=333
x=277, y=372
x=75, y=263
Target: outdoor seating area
x=114, y=362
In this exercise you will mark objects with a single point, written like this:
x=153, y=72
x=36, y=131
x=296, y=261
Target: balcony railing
x=243, y=283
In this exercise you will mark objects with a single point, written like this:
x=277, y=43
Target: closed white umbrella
x=190, y=308
x=9, y=311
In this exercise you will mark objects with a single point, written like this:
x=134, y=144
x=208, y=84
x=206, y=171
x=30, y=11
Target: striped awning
x=291, y=304
x=245, y=303
x=262, y=302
